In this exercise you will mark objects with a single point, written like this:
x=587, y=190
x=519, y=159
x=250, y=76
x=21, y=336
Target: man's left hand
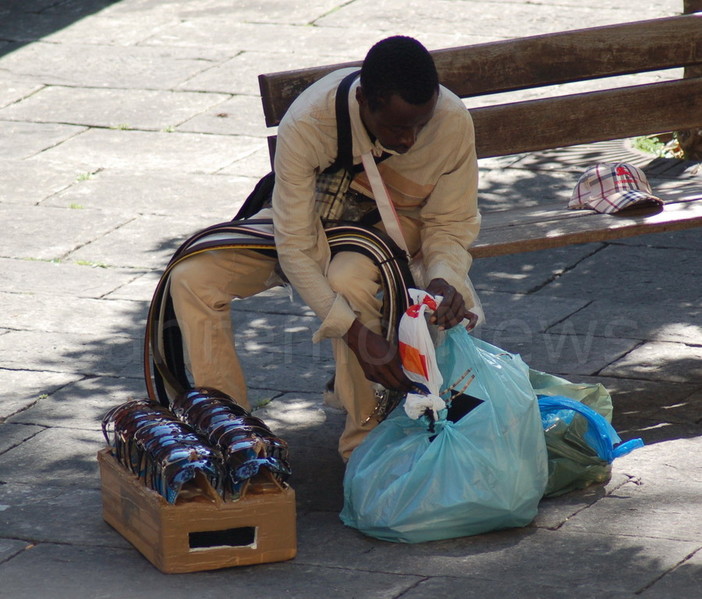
x=452, y=309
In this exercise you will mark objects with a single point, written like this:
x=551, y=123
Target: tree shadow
x=25, y=21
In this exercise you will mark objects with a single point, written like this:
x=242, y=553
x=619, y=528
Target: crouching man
x=422, y=138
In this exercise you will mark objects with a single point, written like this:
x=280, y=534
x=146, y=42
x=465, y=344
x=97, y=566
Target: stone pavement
x=125, y=126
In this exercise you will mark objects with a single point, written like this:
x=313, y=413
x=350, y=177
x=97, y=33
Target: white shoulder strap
x=382, y=200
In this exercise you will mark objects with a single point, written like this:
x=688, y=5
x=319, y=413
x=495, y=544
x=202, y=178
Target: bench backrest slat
x=577, y=119
x=532, y=61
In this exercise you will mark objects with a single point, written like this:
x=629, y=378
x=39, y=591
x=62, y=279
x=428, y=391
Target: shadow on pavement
x=25, y=21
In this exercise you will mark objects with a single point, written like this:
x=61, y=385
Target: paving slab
x=121, y=355
x=14, y=435
x=20, y=389
x=74, y=353
x=511, y=20
x=10, y=548
x=39, y=17
x=673, y=362
x=110, y=27
x=51, y=313
x=249, y=11
x=39, y=513
x=63, y=455
x=225, y=118
x=654, y=410
x=258, y=162
x=615, y=563
x=12, y=90
x=650, y=318
x=291, y=372
x=80, y=405
x=311, y=430
x=568, y=353
x=145, y=241
x=643, y=275
x=231, y=37
x=664, y=469
x=104, y=571
x=31, y=232
x=527, y=273
x=452, y=587
x=682, y=581
x=24, y=184
x=240, y=73
x=29, y=139
x=67, y=278
x=554, y=512
x=145, y=150
x=141, y=288
x=500, y=189
x=153, y=110
x=686, y=411
x=92, y=65
x=214, y=198
x=688, y=239
x=280, y=300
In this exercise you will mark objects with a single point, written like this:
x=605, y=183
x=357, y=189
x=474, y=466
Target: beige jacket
x=433, y=187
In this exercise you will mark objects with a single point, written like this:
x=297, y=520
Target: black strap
x=263, y=192
x=344, y=152
x=344, y=144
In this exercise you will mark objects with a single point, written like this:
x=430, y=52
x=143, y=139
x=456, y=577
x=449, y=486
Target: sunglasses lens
x=204, y=433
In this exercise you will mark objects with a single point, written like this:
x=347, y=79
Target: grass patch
x=662, y=145
x=91, y=264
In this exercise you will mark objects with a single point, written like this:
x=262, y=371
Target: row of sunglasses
x=203, y=434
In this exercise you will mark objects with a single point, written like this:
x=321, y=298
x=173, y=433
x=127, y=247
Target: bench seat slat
x=543, y=227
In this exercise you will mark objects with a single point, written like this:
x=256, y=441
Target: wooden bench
x=560, y=121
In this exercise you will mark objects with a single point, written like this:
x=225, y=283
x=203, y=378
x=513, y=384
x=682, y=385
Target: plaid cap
x=611, y=187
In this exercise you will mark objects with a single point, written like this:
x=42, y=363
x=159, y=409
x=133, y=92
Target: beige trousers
x=202, y=288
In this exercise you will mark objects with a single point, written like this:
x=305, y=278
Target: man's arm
x=450, y=224
x=303, y=250
x=304, y=255
x=379, y=359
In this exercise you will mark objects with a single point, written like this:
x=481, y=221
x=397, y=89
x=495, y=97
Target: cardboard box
x=203, y=533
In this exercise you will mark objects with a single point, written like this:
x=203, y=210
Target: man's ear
x=360, y=96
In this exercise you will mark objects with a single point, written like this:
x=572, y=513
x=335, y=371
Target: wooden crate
x=201, y=534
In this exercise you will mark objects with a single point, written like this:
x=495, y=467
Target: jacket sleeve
x=303, y=250
x=450, y=216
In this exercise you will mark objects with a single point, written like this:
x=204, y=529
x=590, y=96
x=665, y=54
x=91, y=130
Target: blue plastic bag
x=581, y=442
x=486, y=471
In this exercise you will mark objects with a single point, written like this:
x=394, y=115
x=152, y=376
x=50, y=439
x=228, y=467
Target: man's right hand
x=379, y=359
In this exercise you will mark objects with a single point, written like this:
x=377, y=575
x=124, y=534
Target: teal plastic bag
x=486, y=471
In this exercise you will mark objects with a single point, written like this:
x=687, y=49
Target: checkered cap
x=611, y=187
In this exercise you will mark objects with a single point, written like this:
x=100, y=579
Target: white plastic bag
x=419, y=357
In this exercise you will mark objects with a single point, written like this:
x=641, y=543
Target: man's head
x=398, y=92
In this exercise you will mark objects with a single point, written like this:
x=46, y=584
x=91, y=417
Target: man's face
x=396, y=123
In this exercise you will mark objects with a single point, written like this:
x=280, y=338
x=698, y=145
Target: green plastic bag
x=580, y=447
